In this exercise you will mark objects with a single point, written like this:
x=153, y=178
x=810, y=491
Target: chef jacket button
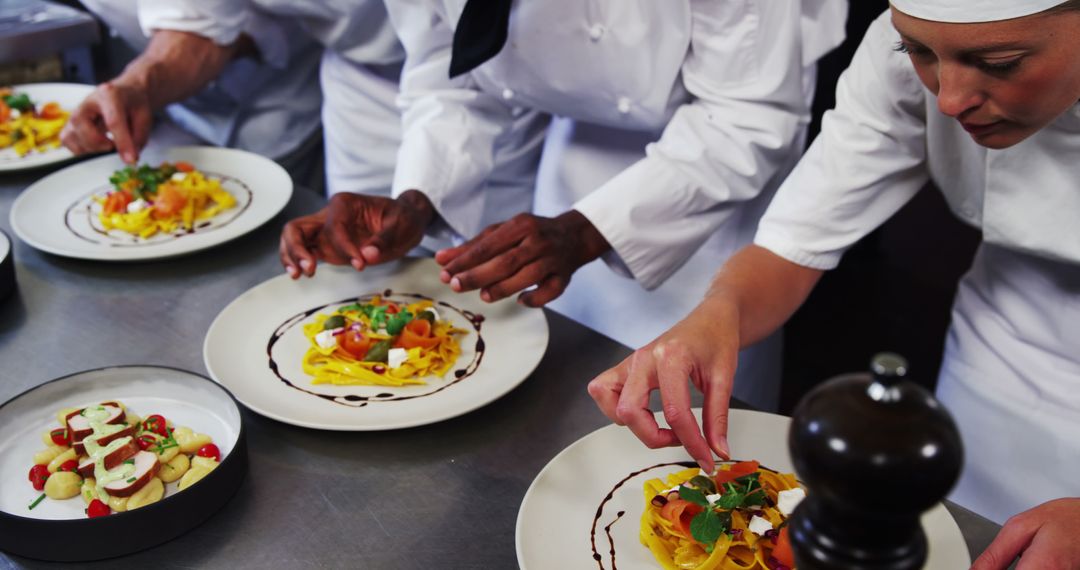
x=508, y=94
x=623, y=105
x=596, y=31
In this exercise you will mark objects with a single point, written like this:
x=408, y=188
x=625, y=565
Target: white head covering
x=972, y=11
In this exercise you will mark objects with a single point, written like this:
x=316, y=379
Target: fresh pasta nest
x=380, y=342
x=733, y=520
x=26, y=127
x=116, y=460
x=149, y=200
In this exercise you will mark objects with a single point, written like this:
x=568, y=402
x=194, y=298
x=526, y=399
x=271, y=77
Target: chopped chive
x=129, y=462
x=132, y=480
x=35, y=503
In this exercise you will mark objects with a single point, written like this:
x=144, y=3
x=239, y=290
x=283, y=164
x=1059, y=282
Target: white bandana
x=972, y=11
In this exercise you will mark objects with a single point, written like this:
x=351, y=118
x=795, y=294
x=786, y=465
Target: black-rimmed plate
x=7, y=265
x=60, y=530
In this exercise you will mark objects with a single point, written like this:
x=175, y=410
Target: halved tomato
x=355, y=343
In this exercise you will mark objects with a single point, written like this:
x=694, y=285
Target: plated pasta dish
x=378, y=341
x=117, y=461
x=733, y=520
x=149, y=200
x=27, y=127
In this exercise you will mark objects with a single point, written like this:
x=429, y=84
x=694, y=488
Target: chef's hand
x=355, y=229
x=703, y=348
x=119, y=109
x=1043, y=537
x=525, y=251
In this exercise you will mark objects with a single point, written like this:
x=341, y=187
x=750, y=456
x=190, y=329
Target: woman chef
x=979, y=96
x=723, y=88
x=192, y=43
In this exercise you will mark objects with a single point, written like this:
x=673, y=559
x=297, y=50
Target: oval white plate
x=182, y=397
x=239, y=352
x=56, y=214
x=68, y=95
x=555, y=522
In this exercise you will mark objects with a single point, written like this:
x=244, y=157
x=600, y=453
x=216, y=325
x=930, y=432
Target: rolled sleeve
x=731, y=142
x=221, y=21
x=869, y=160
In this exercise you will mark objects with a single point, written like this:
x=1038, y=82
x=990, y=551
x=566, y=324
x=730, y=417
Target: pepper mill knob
x=875, y=451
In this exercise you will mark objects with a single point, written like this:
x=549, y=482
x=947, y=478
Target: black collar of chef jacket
x=480, y=34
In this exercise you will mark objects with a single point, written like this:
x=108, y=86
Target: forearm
x=760, y=289
x=176, y=65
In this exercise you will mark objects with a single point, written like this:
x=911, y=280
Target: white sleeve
x=744, y=73
x=449, y=126
x=868, y=161
x=222, y=21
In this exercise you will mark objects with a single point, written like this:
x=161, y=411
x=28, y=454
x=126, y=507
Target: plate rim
x=385, y=427
x=136, y=257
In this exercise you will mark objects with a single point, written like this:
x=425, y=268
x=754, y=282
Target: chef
x=247, y=100
x=268, y=50
x=979, y=96
x=680, y=121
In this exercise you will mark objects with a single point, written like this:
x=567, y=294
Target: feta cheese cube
x=137, y=206
x=713, y=498
x=326, y=339
x=759, y=526
x=787, y=500
x=178, y=176
x=396, y=357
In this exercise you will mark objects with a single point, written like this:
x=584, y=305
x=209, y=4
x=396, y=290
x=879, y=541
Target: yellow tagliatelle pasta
x=26, y=127
x=666, y=521
x=165, y=199
x=355, y=345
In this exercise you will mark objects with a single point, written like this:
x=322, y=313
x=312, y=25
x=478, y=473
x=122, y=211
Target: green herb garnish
x=36, y=501
x=334, y=322
x=397, y=322
x=132, y=480
x=20, y=102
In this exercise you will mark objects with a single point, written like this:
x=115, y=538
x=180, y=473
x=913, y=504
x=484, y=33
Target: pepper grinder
x=875, y=451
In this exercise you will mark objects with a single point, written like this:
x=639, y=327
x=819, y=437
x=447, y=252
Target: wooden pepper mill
x=875, y=452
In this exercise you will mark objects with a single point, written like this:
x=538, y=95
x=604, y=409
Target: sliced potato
x=189, y=441
x=207, y=463
x=63, y=485
x=61, y=416
x=132, y=419
x=89, y=490
x=194, y=475
x=118, y=504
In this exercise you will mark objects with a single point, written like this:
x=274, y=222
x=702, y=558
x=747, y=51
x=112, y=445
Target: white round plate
x=68, y=95
x=556, y=520
x=180, y=396
x=255, y=346
x=57, y=214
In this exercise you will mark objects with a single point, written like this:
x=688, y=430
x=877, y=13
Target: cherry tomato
x=69, y=465
x=60, y=436
x=184, y=166
x=355, y=343
x=38, y=475
x=51, y=110
x=145, y=441
x=116, y=203
x=156, y=424
x=392, y=308
x=210, y=450
x=97, y=509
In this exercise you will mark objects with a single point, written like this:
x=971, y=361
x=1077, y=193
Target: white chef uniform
x=724, y=86
x=359, y=71
x=1011, y=374
x=269, y=109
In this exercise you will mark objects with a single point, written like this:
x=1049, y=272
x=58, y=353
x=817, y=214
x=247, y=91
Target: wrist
x=419, y=205
x=591, y=244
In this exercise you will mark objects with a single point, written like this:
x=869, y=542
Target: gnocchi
x=178, y=456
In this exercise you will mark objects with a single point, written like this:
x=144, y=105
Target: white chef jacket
x=1011, y=375
x=724, y=86
x=269, y=109
x=359, y=70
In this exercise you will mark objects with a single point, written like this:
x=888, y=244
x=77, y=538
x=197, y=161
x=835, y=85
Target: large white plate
x=182, y=397
x=56, y=214
x=68, y=95
x=261, y=329
x=556, y=519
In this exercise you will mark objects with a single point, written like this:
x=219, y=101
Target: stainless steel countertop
x=441, y=496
